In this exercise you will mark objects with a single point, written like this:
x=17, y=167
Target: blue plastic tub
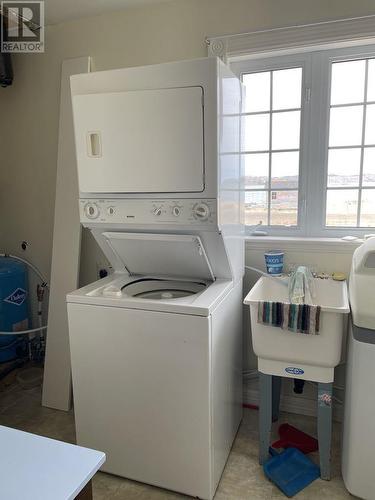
x=14, y=307
x=291, y=471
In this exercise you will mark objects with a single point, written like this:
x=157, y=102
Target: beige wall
x=137, y=36
x=169, y=31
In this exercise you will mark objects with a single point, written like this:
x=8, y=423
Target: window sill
x=328, y=245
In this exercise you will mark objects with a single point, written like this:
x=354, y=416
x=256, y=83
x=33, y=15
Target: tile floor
x=242, y=478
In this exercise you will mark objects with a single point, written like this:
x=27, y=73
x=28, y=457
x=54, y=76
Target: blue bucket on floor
x=290, y=470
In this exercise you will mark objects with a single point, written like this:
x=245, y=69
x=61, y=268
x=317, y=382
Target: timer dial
x=176, y=211
x=201, y=211
x=91, y=210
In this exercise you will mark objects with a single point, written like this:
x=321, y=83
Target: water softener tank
x=14, y=307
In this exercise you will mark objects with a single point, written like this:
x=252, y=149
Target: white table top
x=37, y=468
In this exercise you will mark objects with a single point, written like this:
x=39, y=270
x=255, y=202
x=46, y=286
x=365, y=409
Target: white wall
x=136, y=36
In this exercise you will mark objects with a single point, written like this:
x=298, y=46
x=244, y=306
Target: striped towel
x=299, y=318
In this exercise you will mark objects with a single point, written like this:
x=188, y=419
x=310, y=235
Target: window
x=308, y=142
x=271, y=123
x=351, y=151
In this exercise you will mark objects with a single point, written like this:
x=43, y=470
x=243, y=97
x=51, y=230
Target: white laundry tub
x=296, y=355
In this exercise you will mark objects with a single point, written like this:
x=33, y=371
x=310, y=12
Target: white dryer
x=156, y=347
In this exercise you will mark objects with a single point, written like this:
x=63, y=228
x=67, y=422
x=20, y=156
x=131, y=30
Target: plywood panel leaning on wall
x=57, y=389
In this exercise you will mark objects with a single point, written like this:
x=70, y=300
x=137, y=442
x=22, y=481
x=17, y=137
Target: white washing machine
x=156, y=347
x=359, y=424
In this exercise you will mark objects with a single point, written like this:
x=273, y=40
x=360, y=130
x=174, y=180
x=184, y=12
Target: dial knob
x=176, y=211
x=91, y=210
x=201, y=211
x=157, y=211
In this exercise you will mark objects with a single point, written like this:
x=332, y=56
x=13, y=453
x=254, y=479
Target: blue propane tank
x=14, y=307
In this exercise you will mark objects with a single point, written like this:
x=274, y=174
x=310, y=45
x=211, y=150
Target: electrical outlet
x=103, y=269
x=103, y=273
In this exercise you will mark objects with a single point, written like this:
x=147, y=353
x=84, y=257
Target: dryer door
x=168, y=255
x=148, y=141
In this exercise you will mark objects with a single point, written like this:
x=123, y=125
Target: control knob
x=91, y=210
x=201, y=211
x=176, y=211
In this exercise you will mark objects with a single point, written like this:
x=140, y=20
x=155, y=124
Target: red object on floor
x=252, y=407
x=290, y=437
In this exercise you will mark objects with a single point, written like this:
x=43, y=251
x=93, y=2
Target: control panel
x=135, y=211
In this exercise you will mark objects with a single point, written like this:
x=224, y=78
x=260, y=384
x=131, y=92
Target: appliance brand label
x=294, y=371
x=17, y=298
x=274, y=260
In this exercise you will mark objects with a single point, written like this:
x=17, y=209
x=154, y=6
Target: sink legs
x=325, y=429
x=269, y=391
x=269, y=400
x=265, y=415
x=276, y=390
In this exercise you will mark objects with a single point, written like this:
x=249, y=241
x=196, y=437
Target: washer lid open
x=169, y=255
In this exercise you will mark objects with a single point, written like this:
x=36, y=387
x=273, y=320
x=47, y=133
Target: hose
x=283, y=282
x=8, y=346
x=24, y=332
x=44, y=285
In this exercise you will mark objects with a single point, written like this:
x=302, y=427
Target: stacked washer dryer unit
x=359, y=422
x=156, y=347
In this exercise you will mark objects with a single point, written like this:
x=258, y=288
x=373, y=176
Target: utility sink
x=289, y=354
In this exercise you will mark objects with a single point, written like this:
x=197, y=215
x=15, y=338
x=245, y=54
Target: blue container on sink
x=274, y=262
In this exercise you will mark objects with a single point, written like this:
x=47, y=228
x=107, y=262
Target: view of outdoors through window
x=351, y=152
x=271, y=122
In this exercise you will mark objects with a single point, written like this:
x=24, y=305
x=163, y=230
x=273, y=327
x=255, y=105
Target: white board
x=49, y=468
x=57, y=389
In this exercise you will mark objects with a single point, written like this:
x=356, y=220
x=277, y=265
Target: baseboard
x=299, y=404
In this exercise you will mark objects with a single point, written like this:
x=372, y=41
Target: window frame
x=314, y=136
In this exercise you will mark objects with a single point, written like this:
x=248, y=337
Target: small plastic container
x=274, y=262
